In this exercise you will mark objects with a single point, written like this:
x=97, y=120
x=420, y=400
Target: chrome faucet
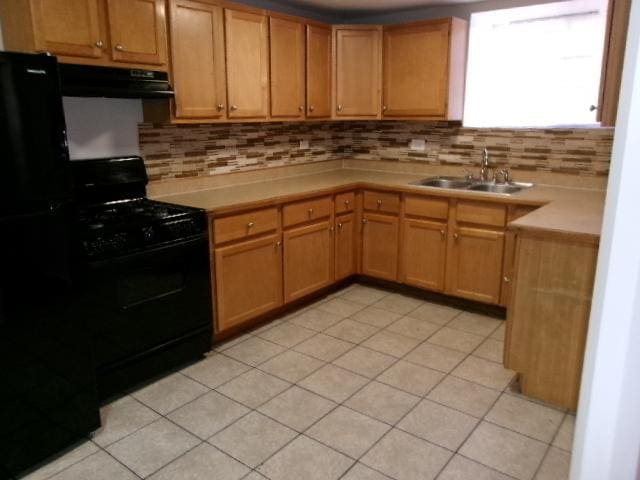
x=484, y=166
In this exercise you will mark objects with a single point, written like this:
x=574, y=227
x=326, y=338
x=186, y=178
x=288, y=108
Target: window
x=535, y=66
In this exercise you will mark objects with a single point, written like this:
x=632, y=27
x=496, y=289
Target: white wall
x=102, y=127
x=607, y=444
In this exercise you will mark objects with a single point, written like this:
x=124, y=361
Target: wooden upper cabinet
x=318, y=71
x=424, y=69
x=138, y=31
x=68, y=27
x=287, y=67
x=357, y=59
x=247, y=53
x=198, y=65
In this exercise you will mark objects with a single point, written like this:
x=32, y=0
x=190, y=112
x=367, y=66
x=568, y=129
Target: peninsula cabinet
x=248, y=278
x=116, y=33
x=287, y=61
x=197, y=54
x=247, y=54
x=318, y=71
x=424, y=69
x=357, y=71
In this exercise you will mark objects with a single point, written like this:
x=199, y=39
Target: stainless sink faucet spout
x=485, y=171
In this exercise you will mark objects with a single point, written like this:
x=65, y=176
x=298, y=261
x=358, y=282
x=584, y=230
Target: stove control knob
x=148, y=233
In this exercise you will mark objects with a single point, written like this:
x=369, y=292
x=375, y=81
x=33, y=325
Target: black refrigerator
x=47, y=387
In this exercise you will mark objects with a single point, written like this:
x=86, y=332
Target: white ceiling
x=369, y=5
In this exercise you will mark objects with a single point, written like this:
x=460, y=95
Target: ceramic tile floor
x=362, y=385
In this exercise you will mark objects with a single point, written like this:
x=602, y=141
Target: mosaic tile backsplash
x=179, y=151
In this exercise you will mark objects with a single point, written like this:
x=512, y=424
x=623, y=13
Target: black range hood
x=88, y=81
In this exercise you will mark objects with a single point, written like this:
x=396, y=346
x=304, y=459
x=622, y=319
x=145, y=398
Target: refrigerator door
x=47, y=385
x=33, y=144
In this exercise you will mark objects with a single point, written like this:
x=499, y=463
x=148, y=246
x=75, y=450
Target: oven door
x=144, y=301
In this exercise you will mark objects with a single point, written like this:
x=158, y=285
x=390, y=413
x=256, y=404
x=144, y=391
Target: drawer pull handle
x=251, y=225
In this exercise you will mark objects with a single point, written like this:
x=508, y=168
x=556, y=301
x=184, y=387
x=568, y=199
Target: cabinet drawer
x=240, y=226
x=426, y=207
x=382, y=202
x=306, y=211
x=345, y=202
x=481, y=213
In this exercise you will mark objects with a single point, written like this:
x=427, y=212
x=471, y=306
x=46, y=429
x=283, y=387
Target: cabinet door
x=357, y=52
x=318, y=72
x=248, y=280
x=308, y=259
x=287, y=68
x=424, y=249
x=475, y=264
x=197, y=52
x=68, y=27
x=138, y=31
x=380, y=246
x=416, y=70
x=247, y=53
x=508, y=268
x=345, y=246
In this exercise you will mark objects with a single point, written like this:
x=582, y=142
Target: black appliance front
x=47, y=383
x=34, y=159
x=151, y=311
x=48, y=394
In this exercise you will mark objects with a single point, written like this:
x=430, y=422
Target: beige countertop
x=568, y=211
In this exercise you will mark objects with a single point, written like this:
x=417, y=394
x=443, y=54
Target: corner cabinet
x=247, y=74
x=424, y=69
x=115, y=33
x=287, y=66
x=357, y=71
x=198, y=64
x=318, y=71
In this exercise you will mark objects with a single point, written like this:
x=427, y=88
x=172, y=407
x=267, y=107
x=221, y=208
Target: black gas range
x=145, y=267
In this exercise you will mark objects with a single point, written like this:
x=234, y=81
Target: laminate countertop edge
x=573, y=213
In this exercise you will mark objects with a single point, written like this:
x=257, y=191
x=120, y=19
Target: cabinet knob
x=442, y=233
x=339, y=108
x=99, y=44
x=310, y=211
x=331, y=229
x=233, y=107
x=364, y=220
x=455, y=236
x=507, y=280
x=119, y=48
x=220, y=107
x=301, y=108
x=278, y=245
x=311, y=108
x=347, y=202
x=379, y=203
x=340, y=226
x=384, y=108
x=250, y=225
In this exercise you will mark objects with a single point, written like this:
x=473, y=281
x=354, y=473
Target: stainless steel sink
x=504, y=188
x=444, y=182
x=462, y=183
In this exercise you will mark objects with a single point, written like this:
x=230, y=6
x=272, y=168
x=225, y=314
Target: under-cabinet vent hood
x=88, y=81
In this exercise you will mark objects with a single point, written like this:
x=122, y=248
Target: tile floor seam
x=549, y=446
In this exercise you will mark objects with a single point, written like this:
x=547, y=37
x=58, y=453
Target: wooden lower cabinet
x=308, y=259
x=380, y=238
x=248, y=277
x=548, y=316
x=345, y=246
x=474, y=264
x=424, y=251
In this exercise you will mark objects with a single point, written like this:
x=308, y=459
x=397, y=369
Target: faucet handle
x=506, y=175
x=469, y=176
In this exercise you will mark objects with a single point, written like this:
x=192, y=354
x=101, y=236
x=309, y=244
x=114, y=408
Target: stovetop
x=120, y=227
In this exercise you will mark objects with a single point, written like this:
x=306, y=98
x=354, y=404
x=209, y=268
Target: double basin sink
x=462, y=183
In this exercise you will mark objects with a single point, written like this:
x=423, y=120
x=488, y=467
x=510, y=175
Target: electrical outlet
x=304, y=144
x=418, y=145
